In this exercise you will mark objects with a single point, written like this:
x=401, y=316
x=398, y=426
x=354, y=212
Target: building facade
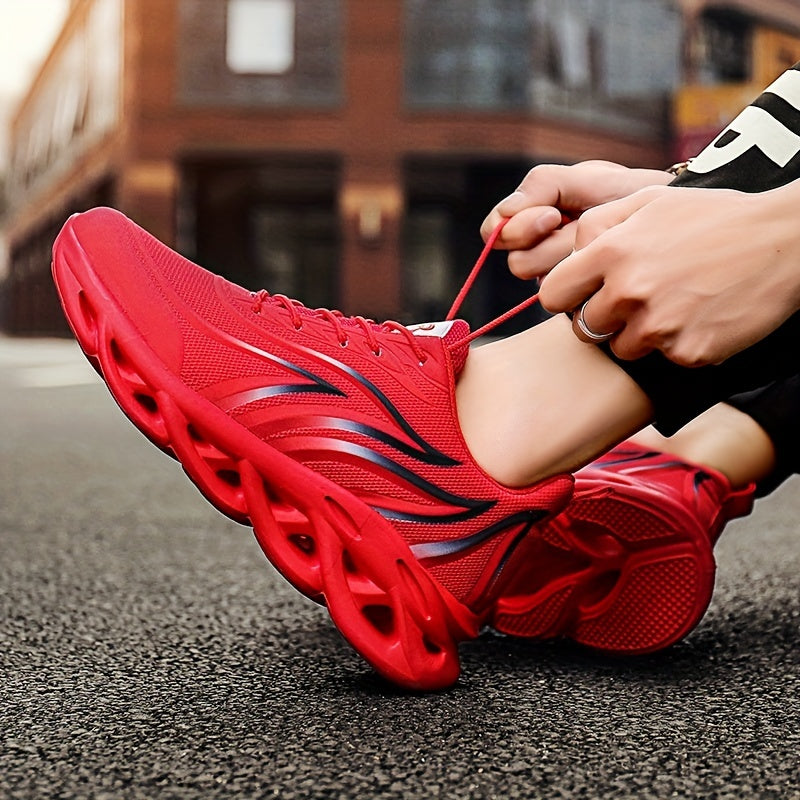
x=345, y=151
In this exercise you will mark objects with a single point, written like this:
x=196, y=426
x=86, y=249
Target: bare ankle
x=542, y=403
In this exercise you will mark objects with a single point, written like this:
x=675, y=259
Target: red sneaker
x=628, y=566
x=335, y=437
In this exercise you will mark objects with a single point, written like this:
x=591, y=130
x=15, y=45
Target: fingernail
x=549, y=219
x=511, y=204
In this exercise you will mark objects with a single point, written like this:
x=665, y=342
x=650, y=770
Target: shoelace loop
x=368, y=326
x=470, y=282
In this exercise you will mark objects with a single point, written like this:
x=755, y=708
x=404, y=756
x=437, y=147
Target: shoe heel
x=640, y=579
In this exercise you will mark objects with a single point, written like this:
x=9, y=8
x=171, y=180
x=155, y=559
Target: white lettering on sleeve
x=757, y=128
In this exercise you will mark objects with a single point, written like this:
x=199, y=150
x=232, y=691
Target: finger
x=629, y=344
x=638, y=337
x=576, y=187
x=538, y=261
x=493, y=219
x=546, y=185
x=571, y=281
x=523, y=230
x=542, y=186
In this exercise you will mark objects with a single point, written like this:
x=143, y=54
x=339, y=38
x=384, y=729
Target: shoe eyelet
x=377, y=353
x=344, y=343
x=298, y=327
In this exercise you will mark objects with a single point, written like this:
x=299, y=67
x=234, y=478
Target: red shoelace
x=336, y=318
x=370, y=327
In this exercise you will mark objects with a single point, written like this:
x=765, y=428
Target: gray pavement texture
x=148, y=649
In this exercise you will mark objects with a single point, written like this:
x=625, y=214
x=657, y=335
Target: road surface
x=148, y=649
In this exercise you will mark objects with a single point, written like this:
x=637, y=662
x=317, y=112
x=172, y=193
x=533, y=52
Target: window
x=260, y=53
x=260, y=36
x=466, y=54
x=726, y=46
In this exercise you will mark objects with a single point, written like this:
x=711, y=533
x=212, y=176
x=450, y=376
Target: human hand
x=698, y=274
x=541, y=213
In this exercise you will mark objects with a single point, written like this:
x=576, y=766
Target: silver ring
x=587, y=331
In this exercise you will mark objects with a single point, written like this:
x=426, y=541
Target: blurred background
x=345, y=151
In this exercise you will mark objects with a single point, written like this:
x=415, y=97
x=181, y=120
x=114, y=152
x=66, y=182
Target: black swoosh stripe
x=325, y=387
x=625, y=460
x=475, y=507
x=452, y=547
x=343, y=424
x=384, y=402
x=433, y=519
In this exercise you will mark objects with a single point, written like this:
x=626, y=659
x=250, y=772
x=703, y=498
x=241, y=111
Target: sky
x=27, y=29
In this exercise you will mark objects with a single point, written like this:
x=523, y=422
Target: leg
x=628, y=566
x=774, y=408
x=723, y=438
x=542, y=402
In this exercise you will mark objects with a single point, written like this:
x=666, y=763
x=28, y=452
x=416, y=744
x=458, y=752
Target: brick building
x=345, y=151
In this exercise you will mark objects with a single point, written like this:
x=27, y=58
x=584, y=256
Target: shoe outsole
x=324, y=540
x=636, y=573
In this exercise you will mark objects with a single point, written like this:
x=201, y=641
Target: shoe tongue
x=453, y=334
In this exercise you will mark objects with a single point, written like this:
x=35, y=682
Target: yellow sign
x=703, y=107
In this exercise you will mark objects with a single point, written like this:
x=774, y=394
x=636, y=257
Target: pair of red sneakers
x=337, y=439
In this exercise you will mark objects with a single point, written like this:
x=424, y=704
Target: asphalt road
x=148, y=649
